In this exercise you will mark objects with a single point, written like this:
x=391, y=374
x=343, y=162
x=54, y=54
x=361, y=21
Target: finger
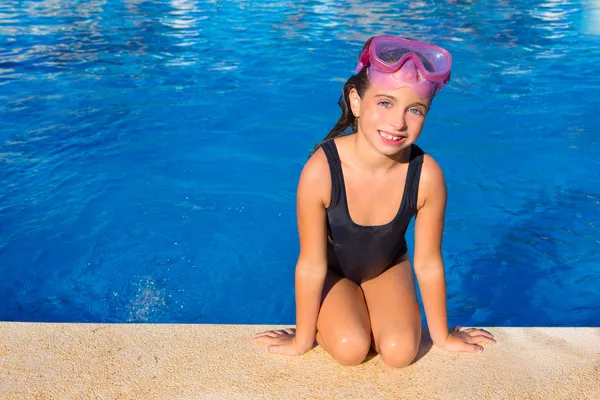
x=480, y=332
x=472, y=348
x=269, y=334
x=290, y=331
x=266, y=339
x=484, y=333
x=261, y=333
x=260, y=339
x=480, y=339
x=277, y=349
x=271, y=341
x=280, y=332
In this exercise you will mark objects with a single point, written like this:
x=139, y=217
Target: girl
x=356, y=196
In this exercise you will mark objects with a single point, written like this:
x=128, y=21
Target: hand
x=280, y=342
x=467, y=340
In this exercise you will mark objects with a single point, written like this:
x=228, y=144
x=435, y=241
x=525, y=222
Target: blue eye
x=385, y=104
x=415, y=111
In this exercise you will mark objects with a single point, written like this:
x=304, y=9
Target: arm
x=314, y=192
x=311, y=268
x=429, y=265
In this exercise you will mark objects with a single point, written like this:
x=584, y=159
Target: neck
x=369, y=159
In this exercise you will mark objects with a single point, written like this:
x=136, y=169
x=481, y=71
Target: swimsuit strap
x=337, y=177
x=414, y=176
x=335, y=167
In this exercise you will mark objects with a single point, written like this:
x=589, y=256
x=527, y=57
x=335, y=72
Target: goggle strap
x=363, y=60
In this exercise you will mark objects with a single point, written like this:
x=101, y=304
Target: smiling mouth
x=389, y=136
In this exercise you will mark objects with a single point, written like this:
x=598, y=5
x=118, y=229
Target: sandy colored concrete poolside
x=135, y=361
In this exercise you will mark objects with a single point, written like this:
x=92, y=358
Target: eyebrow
x=416, y=103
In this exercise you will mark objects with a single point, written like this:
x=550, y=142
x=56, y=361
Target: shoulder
x=315, y=178
x=431, y=171
x=432, y=183
x=316, y=169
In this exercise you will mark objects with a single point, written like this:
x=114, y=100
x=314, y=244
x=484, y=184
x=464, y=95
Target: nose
x=398, y=122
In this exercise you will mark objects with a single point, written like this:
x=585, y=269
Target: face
x=391, y=120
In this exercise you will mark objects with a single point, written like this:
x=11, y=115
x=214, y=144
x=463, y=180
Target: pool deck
x=150, y=361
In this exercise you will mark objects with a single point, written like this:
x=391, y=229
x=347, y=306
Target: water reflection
x=183, y=32
x=539, y=253
x=591, y=18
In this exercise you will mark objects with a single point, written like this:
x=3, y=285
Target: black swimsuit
x=360, y=252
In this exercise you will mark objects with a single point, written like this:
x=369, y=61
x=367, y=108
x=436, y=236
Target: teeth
x=389, y=137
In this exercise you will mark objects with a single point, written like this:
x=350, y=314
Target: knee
x=398, y=352
x=350, y=350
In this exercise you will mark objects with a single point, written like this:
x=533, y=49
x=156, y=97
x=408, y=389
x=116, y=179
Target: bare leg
x=394, y=314
x=343, y=327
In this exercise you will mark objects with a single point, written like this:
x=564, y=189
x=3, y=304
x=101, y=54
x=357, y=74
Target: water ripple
x=150, y=151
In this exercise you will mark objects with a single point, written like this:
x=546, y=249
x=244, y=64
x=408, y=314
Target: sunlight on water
x=148, y=302
x=591, y=18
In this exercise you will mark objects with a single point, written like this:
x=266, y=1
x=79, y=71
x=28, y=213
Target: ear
x=354, y=102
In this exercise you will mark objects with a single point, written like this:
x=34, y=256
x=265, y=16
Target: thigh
x=343, y=327
x=394, y=313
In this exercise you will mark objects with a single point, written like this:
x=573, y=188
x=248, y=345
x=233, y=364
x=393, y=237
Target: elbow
x=314, y=268
x=431, y=264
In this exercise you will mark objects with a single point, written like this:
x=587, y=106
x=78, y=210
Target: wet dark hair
x=361, y=83
x=347, y=120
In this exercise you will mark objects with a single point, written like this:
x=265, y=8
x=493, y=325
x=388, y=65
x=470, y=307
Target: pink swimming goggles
x=395, y=62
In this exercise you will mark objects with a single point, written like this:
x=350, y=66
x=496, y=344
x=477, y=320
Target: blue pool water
x=150, y=150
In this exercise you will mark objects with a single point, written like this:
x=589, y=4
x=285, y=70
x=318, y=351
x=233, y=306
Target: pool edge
x=182, y=361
